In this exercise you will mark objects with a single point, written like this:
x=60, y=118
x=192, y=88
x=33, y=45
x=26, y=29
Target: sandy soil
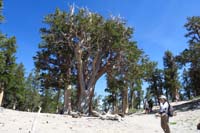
x=21, y=122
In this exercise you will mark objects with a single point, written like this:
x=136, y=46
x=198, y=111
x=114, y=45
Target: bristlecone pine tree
x=190, y=57
x=12, y=86
x=155, y=80
x=7, y=59
x=171, y=82
x=81, y=44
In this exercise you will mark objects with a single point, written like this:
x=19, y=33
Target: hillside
x=16, y=121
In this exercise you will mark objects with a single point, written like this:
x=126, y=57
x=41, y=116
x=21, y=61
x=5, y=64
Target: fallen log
x=111, y=117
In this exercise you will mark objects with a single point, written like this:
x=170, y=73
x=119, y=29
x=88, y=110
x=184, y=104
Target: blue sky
x=158, y=24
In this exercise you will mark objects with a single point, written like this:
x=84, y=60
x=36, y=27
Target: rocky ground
x=21, y=122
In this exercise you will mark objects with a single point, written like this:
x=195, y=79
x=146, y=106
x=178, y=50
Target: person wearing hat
x=164, y=105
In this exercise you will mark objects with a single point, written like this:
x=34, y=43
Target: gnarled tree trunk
x=67, y=99
x=14, y=105
x=87, y=81
x=177, y=97
x=1, y=96
x=85, y=104
x=125, y=108
x=132, y=98
x=57, y=102
x=1, y=93
x=115, y=105
x=91, y=99
x=83, y=101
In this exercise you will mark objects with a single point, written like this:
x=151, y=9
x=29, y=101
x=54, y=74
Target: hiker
x=164, y=107
x=146, y=107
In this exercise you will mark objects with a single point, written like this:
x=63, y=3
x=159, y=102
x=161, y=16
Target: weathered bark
x=140, y=99
x=1, y=96
x=132, y=98
x=58, y=98
x=14, y=105
x=1, y=93
x=87, y=78
x=111, y=117
x=96, y=74
x=177, y=95
x=67, y=99
x=115, y=106
x=89, y=93
x=125, y=108
x=87, y=83
x=83, y=102
x=91, y=99
x=82, y=92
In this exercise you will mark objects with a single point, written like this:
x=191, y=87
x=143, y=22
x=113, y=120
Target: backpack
x=170, y=110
